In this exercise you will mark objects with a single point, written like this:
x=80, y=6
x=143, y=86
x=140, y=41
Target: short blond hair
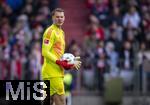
x=57, y=10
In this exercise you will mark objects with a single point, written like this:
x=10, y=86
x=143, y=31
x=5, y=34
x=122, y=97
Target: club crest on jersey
x=46, y=41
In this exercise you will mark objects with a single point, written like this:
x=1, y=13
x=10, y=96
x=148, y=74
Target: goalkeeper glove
x=64, y=64
x=77, y=63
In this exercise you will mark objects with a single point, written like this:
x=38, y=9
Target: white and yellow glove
x=77, y=62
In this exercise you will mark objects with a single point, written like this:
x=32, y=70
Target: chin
x=61, y=23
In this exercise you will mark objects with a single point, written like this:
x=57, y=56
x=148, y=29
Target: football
x=69, y=57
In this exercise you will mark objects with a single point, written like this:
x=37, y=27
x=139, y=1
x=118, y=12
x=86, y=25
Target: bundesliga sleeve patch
x=46, y=41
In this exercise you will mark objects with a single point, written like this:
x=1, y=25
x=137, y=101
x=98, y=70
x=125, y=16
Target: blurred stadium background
x=111, y=36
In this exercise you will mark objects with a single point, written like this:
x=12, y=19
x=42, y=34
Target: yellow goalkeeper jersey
x=53, y=46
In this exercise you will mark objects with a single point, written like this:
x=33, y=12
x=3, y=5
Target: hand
x=64, y=64
x=77, y=63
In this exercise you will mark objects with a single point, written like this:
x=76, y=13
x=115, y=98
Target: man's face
x=58, y=18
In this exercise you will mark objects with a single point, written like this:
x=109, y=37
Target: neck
x=57, y=26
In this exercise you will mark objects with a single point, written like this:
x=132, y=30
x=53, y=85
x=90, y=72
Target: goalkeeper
x=53, y=47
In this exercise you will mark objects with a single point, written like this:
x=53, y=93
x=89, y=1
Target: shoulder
x=48, y=33
x=63, y=32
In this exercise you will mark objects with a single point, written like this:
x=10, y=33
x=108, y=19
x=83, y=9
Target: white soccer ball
x=69, y=57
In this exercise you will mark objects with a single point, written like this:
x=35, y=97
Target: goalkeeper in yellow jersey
x=53, y=47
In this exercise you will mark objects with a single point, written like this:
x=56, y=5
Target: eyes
x=59, y=17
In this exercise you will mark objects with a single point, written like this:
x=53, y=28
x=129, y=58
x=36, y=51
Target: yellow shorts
x=56, y=86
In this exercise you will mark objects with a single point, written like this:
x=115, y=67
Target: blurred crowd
x=116, y=41
x=21, y=28
x=119, y=35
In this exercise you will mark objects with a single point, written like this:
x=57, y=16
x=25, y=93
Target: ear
x=64, y=18
x=53, y=17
